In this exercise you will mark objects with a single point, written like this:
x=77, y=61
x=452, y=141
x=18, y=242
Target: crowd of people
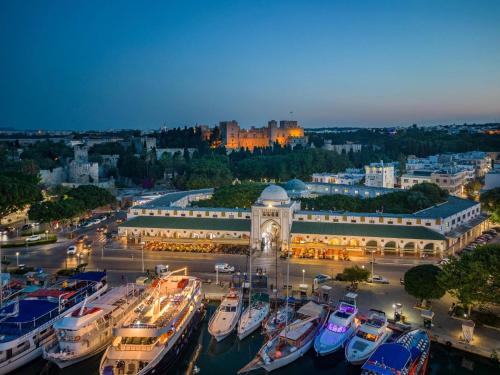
x=198, y=248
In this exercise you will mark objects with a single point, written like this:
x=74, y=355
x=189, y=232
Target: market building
x=276, y=222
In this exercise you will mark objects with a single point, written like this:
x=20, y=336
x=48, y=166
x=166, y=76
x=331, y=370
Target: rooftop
x=165, y=201
x=368, y=230
x=239, y=225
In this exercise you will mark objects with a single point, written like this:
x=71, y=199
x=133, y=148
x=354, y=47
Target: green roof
x=452, y=206
x=161, y=222
x=368, y=230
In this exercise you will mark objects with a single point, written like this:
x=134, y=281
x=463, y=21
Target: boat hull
x=357, y=360
x=278, y=363
x=242, y=334
x=69, y=362
x=323, y=349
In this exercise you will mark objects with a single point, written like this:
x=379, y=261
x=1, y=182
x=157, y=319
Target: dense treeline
x=47, y=154
x=71, y=203
x=234, y=196
x=408, y=201
x=17, y=190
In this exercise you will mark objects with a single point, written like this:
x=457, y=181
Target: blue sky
x=134, y=64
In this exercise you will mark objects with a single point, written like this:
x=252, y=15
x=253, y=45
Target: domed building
x=273, y=195
x=296, y=188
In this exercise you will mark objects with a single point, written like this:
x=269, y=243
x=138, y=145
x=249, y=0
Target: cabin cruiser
x=293, y=341
x=225, y=318
x=253, y=316
x=277, y=320
x=368, y=337
x=340, y=327
x=87, y=331
x=26, y=323
x=152, y=337
x=408, y=355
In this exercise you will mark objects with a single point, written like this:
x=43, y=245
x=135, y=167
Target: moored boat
x=151, y=339
x=408, y=355
x=293, y=341
x=340, y=327
x=277, y=320
x=88, y=330
x=26, y=324
x=368, y=337
x=253, y=316
x=225, y=318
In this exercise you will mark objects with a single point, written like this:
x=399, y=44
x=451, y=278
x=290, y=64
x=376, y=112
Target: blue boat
x=408, y=355
x=26, y=323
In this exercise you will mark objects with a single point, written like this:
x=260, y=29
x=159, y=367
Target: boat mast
x=250, y=288
x=287, y=285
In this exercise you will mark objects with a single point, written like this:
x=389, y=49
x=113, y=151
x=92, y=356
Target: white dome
x=274, y=193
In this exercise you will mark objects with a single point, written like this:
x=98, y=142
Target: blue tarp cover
x=28, y=310
x=388, y=359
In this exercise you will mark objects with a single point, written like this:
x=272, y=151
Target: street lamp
x=46, y=234
x=17, y=259
x=303, y=276
x=142, y=255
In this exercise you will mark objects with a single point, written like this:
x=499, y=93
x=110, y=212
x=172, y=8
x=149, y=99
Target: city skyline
x=87, y=65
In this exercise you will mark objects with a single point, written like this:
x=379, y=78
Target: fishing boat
x=226, y=317
x=368, y=337
x=340, y=327
x=151, y=339
x=253, y=316
x=26, y=324
x=277, y=320
x=87, y=331
x=293, y=341
x=409, y=355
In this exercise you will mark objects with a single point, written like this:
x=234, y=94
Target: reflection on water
x=228, y=356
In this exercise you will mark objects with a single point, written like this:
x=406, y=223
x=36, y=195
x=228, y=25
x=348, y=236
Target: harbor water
x=205, y=356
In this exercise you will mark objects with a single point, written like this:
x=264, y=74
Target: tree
x=490, y=201
x=472, y=189
x=422, y=282
x=234, y=196
x=355, y=274
x=17, y=191
x=473, y=278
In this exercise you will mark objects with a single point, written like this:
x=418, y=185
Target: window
x=327, y=217
x=190, y=213
x=143, y=211
x=372, y=221
x=419, y=221
x=427, y=224
x=207, y=213
x=239, y=214
x=309, y=217
x=390, y=222
x=408, y=223
x=438, y=221
x=362, y=219
x=335, y=220
x=353, y=220
x=380, y=219
x=223, y=214
x=344, y=218
x=400, y=221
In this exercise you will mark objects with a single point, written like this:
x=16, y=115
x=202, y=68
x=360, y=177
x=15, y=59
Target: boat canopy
x=55, y=293
x=311, y=309
x=388, y=359
x=28, y=310
x=296, y=332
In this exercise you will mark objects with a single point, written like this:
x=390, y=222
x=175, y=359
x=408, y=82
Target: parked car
x=322, y=278
x=377, y=279
x=444, y=261
x=35, y=237
x=71, y=250
x=224, y=268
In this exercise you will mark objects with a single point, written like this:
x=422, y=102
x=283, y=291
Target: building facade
x=276, y=222
x=379, y=175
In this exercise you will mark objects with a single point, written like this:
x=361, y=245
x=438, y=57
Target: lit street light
x=17, y=258
x=142, y=254
x=303, y=276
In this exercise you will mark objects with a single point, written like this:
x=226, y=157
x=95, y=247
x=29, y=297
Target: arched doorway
x=269, y=235
x=371, y=247
x=429, y=249
x=409, y=248
x=390, y=248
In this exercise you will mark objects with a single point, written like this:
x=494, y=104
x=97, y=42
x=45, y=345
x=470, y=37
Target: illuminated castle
x=288, y=132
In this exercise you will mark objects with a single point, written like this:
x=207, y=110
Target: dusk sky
x=139, y=64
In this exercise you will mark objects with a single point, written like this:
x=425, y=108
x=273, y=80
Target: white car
x=71, y=250
x=377, y=279
x=224, y=267
x=444, y=261
x=322, y=278
x=36, y=237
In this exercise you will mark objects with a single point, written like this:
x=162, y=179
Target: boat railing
x=47, y=319
x=135, y=347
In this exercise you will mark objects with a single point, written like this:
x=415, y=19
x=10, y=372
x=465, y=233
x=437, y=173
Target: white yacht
x=88, y=330
x=26, y=323
x=293, y=341
x=253, y=316
x=340, y=327
x=226, y=317
x=368, y=337
x=151, y=339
